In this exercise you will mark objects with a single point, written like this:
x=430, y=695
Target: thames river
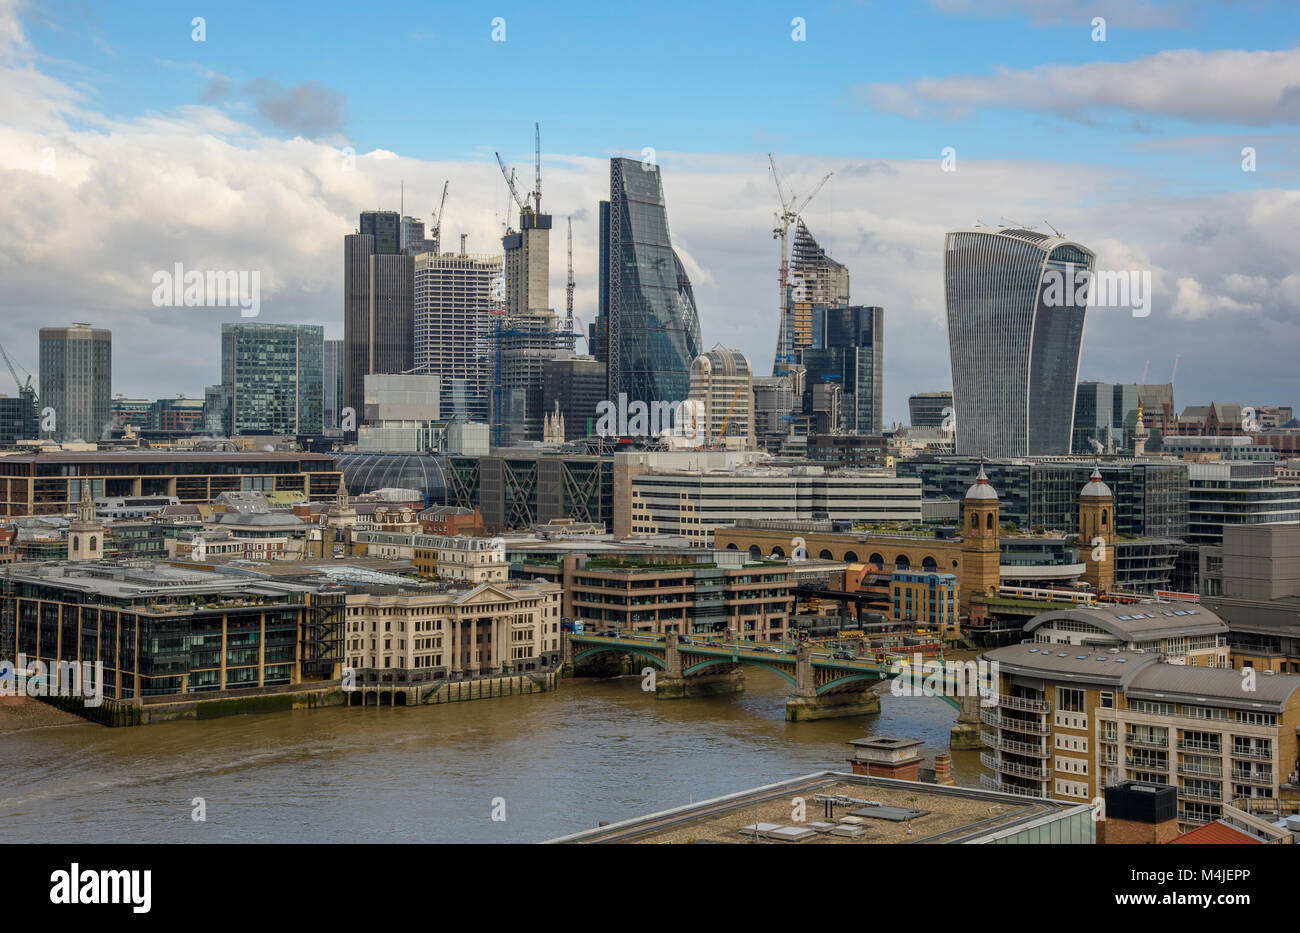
x=550, y=764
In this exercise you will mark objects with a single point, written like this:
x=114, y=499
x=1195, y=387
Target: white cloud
x=1256, y=88
x=197, y=186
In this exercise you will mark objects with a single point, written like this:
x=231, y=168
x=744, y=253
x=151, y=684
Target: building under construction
x=816, y=281
x=454, y=305
x=528, y=333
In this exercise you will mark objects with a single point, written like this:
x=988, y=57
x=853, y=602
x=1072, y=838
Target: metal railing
x=1150, y=741
x=1025, y=704
x=1011, y=767
x=994, y=740
x=1253, y=777
x=993, y=783
x=1259, y=754
x=1200, y=770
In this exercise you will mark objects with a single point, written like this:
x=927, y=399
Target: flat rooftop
x=879, y=807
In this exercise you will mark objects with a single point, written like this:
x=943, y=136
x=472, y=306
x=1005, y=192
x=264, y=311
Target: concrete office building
x=76, y=380
x=722, y=385
x=1252, y=581
x=274, y=374
x=695, y=503
x=378, y=304
x=1014, y=336
x=400, y=412
x=1235, y=493
x=456, y=295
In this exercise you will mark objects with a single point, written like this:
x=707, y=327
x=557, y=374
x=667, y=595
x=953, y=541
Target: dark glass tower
x=853, y=357
x=648, y=331
x=1014, y=352
x=378, y=304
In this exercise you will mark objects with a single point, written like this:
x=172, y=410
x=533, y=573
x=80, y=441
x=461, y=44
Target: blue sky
x=225, y=154
x=426, y=79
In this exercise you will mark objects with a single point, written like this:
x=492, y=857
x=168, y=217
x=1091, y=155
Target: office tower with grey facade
x=647, y=328
x=378, y=304
x=930, y=409
x=76, y=379
x=852, y=358
x=574, y=386
x=273, y=376
x=332, y=386
x=456, y=295
x=1014, y=335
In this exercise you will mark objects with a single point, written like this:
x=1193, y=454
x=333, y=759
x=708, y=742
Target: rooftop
x=871, y=811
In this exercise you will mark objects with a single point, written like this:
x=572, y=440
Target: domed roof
x=1096, y=489
x=981, y=489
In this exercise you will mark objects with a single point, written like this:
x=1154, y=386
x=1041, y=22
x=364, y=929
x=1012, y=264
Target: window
x=1069, y=700
x=1107, y=700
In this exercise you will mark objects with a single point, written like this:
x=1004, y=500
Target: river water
x=550, y=764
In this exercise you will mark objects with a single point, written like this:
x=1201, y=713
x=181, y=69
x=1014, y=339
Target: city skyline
x=261, y=195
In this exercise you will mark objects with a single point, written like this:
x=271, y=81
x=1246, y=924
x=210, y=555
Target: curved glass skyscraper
x=648, y=332
x=1016, y=307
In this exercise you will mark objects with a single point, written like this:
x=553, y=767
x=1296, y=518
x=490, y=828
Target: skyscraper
x=816, y=281
x=455, y=296
x=648, y=330
x=76, y=380
x=853, y=358
x=274, y=375
x=332, y=385
x=378, y=304
x=1014, y=349
x=722, y=383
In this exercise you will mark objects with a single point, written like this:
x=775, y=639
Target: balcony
x=1252, y=751
x=1147, y=741
x=1185, y=816
x=1212, y=796
x=1025, y=704
x=1146, y=764
x=1214, y=771
x=993, y=783
x=1206, y=747
x=993, y=740
x=1253, y=777
x=1011, y=767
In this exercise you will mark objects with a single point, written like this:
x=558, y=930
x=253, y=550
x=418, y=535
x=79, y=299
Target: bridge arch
x=877, y=558
x=902, y=562
x=731, y=546
x=929, y=564
x=755, y=552
x=594, y=650
x=851, y=556
x=826, y=554
x=778, y=551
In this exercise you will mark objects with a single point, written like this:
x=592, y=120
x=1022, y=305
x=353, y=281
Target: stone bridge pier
x=818, y=696
x=690, y=675
x=965, y=732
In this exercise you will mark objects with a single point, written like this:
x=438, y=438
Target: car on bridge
x=844, y=656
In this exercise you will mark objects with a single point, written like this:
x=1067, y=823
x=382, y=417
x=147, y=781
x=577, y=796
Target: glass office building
x=1013, y=340
x=853, y=357
x=275, y=377
x=76, y=380
x=648, y=331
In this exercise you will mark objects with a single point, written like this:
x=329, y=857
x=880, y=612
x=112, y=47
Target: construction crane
x=568, y=285
x=510, y=182
x=435, y=231
x=537, y=163
x=22, y=387
x=789, y=214
x=726, y=422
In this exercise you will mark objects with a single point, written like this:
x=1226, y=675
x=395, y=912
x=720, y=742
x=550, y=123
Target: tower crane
x=510, y=182
x=790, y=211
x=22, y=386
x=568, y=285
x=435, y=233
x=537, y=164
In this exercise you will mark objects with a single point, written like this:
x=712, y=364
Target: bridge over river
x=821, y=685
